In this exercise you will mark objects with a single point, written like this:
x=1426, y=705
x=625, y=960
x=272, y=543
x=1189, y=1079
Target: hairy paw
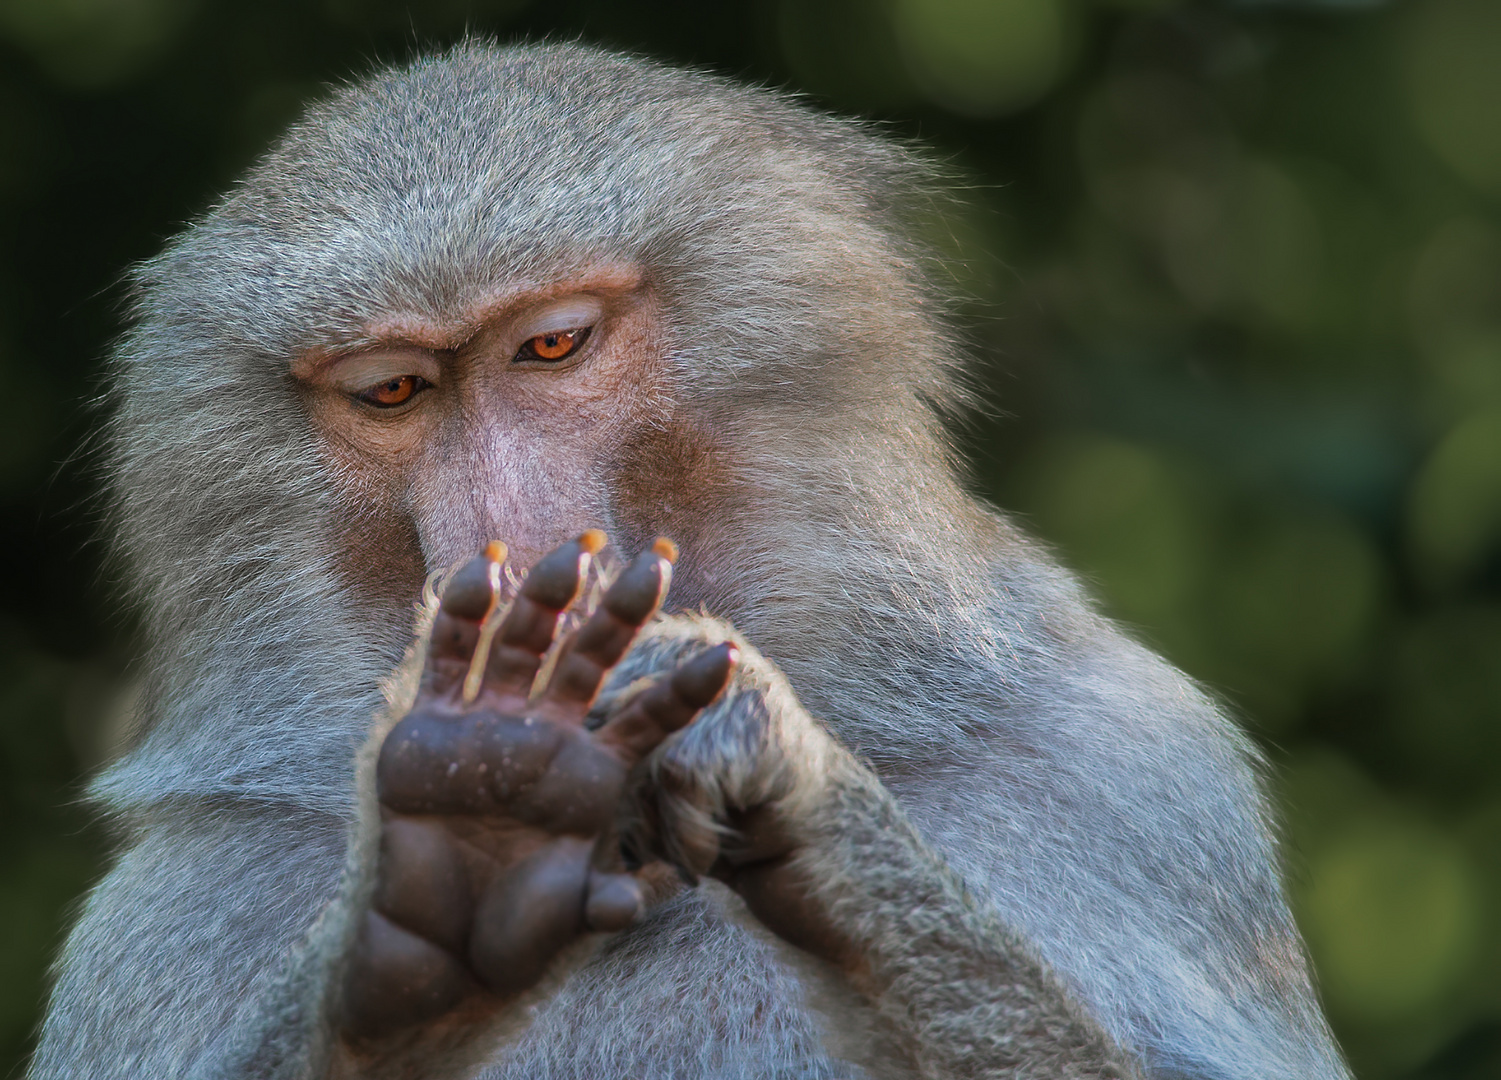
x=748, y=794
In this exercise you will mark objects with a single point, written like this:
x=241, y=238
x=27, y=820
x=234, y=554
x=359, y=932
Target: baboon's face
x=498, y=425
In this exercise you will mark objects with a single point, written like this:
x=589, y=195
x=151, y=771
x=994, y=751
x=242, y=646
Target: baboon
x=876, y=792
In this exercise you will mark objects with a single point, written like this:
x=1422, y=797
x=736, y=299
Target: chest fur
x=688, y=994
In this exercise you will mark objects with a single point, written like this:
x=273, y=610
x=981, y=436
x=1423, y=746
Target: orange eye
x=393, y=392
x=553, y=346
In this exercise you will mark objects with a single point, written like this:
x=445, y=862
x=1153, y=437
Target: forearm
x=960, y=986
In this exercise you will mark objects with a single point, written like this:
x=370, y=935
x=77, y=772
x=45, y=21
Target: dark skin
x=498, y=847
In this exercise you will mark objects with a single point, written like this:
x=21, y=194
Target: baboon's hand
x=760, y=795
x=498, y=845
x=748, y=793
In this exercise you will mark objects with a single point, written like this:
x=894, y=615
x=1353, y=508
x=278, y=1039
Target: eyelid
x=361, y=371
x=575, y=313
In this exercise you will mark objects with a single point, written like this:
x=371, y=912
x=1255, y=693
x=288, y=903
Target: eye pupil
x=553, y=346
x=395, y=391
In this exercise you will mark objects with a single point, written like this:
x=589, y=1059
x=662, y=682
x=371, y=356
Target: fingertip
x=726, y=654
x=665, y=548
x=554, y=581
x=470, y=593
x=701, y=679
x=638, y=592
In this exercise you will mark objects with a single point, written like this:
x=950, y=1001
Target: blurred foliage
x=1237, y=268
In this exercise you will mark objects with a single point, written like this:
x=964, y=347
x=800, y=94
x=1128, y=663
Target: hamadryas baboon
x=879, y=791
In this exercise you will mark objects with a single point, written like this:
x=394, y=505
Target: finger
x=527, y=630
x=659, y=881
x=668, y=705
x=467, y=599
x=602, y=641
x=530, y=913
x=395, y=979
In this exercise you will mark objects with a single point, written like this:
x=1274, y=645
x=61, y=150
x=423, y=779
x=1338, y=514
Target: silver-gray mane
x=1095, y=796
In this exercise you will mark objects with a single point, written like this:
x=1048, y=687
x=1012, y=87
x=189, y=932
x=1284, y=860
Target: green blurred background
x=1237, y=273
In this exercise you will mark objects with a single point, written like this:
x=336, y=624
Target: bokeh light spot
x=1454, y=312
x=1279, y=235
x=1297, y=595
x=1391, y=911
x=1445, y=682
x=984, y=57
x=92, y=43
x=1454, y=515
x=1453, y=62
x=1124, y=517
